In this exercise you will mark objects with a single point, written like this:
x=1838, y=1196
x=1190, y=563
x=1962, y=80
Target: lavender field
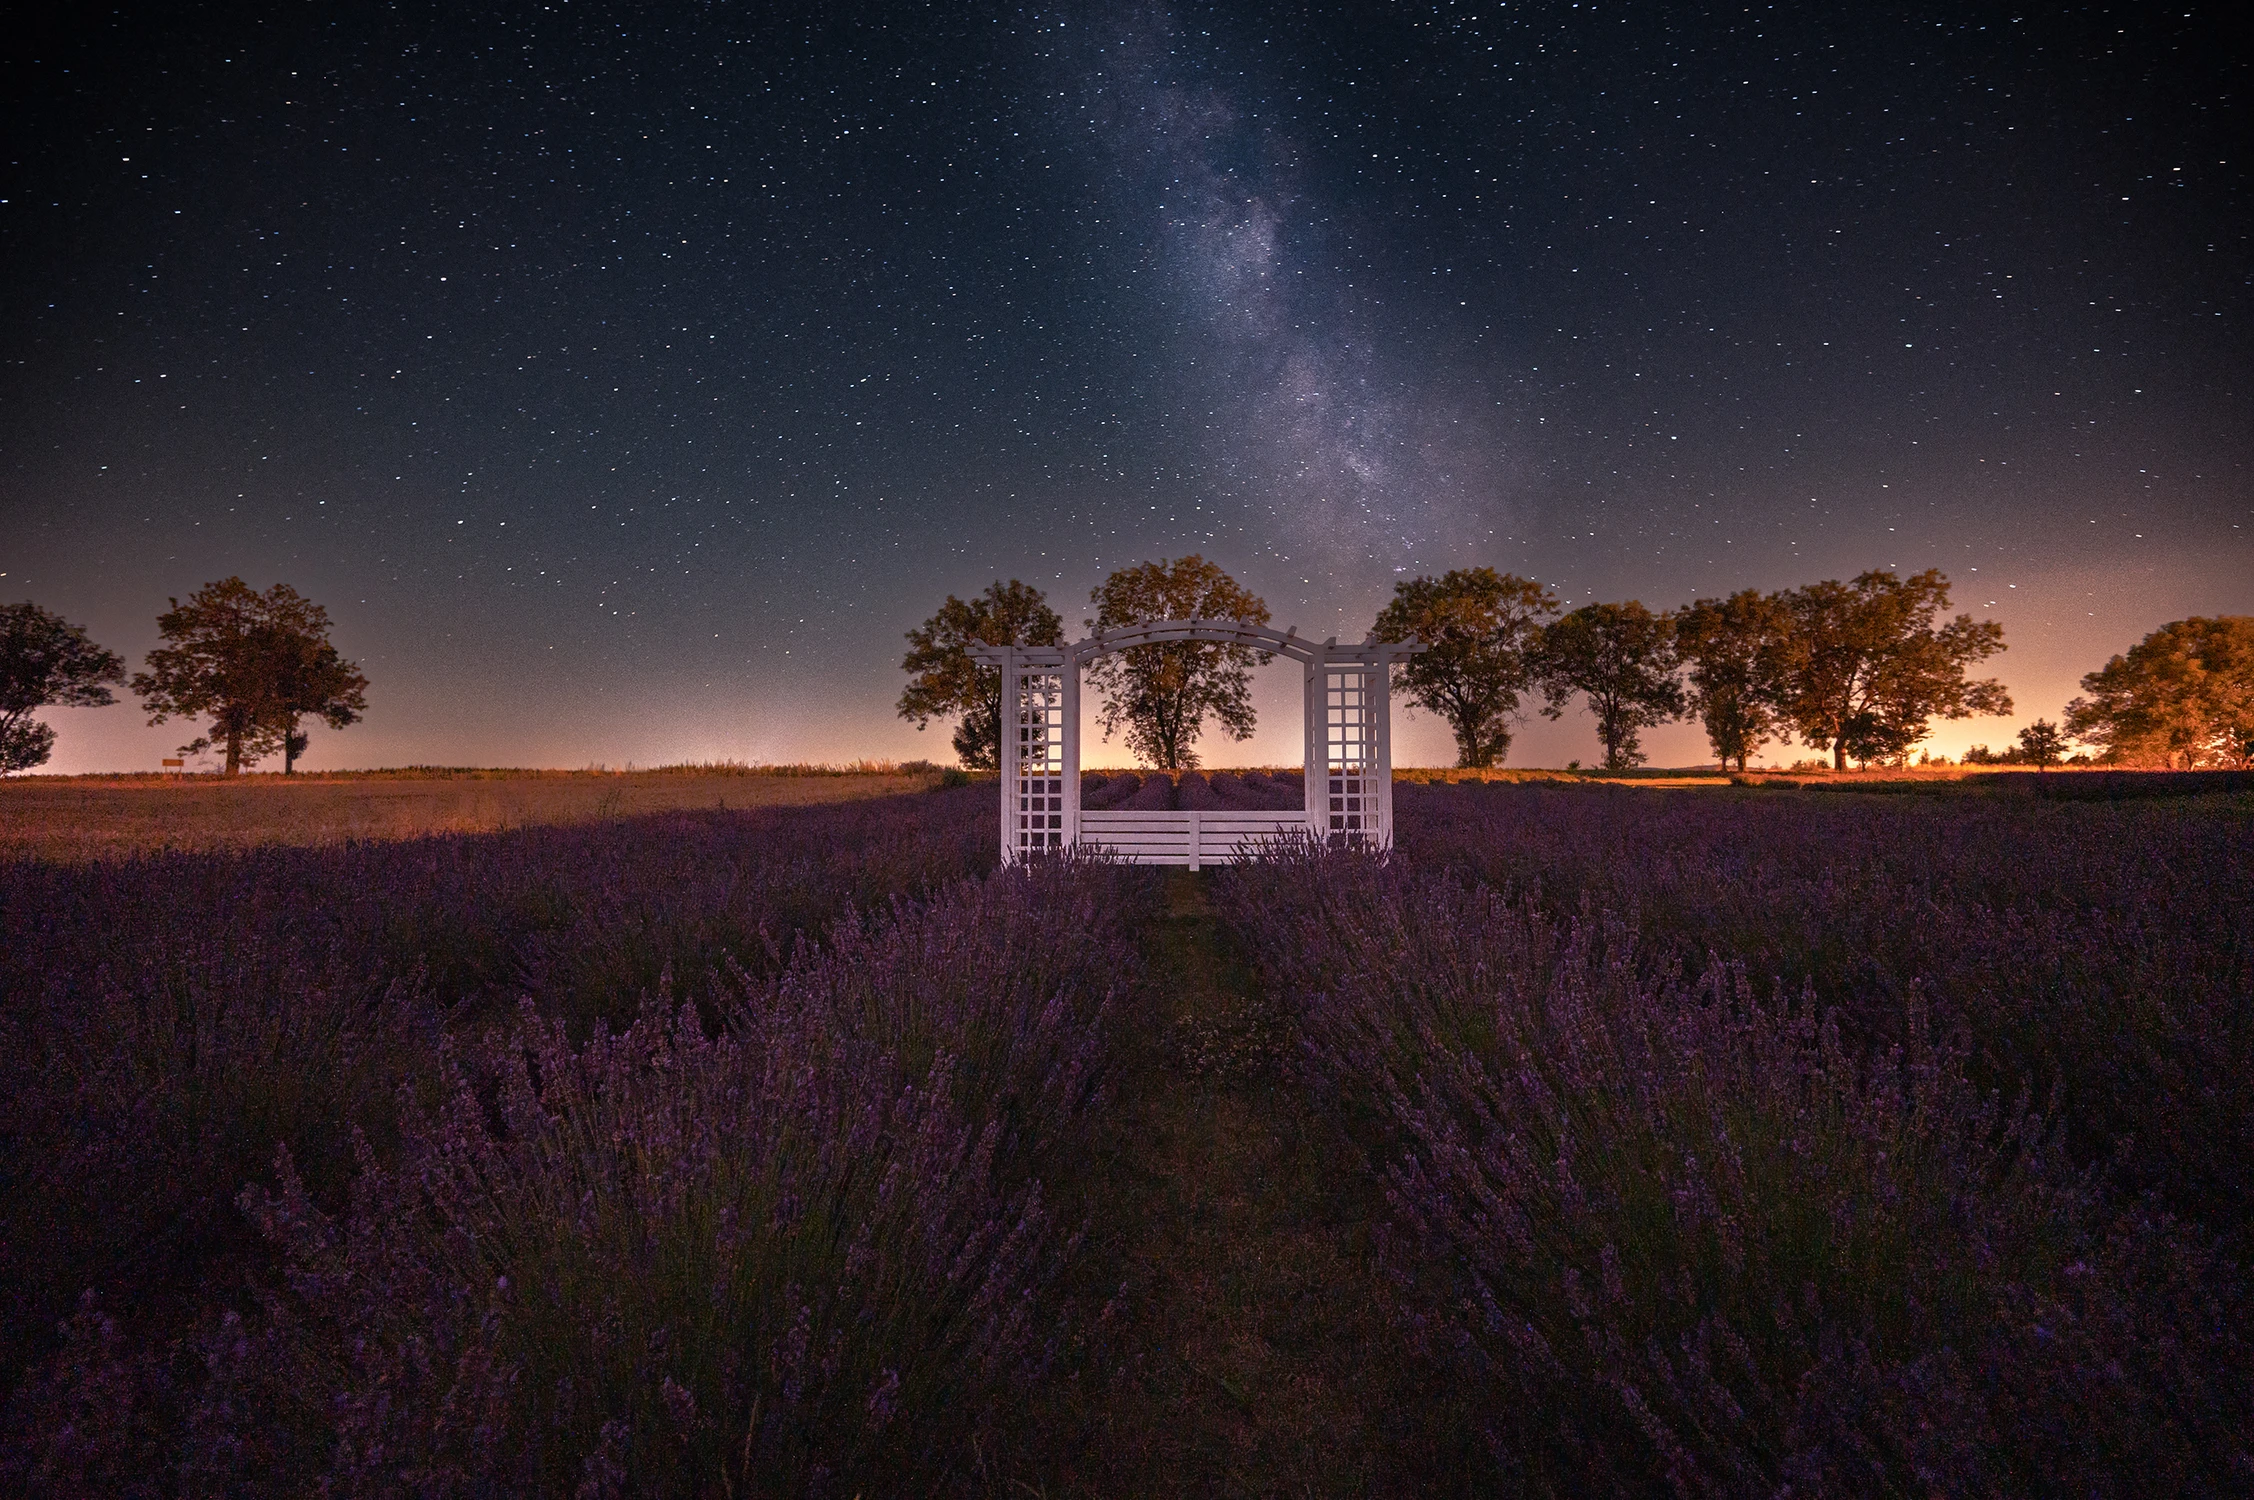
x=1790, y=1144
x=1600, y=1141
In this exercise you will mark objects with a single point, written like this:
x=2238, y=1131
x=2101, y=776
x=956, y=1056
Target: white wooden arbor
x=1347, y=719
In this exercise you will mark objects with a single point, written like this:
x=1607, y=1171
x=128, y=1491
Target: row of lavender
x=2099, y=954
x=527, y=1163
x=1756, y=1144
x=1192, y=791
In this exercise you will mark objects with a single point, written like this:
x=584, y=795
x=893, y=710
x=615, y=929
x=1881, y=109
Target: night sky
x=627, y=379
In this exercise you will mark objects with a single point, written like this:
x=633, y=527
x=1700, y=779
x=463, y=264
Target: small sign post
x=176, y=767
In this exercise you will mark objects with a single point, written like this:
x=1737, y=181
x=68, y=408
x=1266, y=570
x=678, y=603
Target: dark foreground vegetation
x=1604, y=1141
x=1836, y=1145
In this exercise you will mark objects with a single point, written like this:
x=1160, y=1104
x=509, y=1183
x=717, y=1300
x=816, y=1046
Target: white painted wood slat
x=1181, y=837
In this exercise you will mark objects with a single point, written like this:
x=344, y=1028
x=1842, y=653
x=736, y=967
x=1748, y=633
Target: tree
x=1162, y=694
x=254, y=664
x=1621, y=657
x=2182, y=696
x=1480, y=625
x=1733, y=647
x=1866, y=665
x=945, y=680
x=307, y=678
x=44, y=659
x=2042, y=745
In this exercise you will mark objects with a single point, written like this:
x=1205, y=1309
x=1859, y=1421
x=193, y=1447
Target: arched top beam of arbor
x=1327, y=652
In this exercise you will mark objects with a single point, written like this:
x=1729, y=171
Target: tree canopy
x=944, y=679
x=2042, y=744
x=1480, y=626
x=255, y=665
x=45, y=660
x=1867, y=665
x=1162, y=694
x=1621, y=658
x=1732, y=647
x=2182, y=696
x=308, y=679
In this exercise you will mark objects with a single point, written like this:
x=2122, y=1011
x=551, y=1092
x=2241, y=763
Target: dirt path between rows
x=1249, y=1354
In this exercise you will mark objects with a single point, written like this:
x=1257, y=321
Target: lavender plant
x=1101, y=790
x=1155, y=793
x=1252, y=789
x=1195, y=792
x=167, y=1023
x=1668, y=1233
x=2104, y=952
x=804, y=1255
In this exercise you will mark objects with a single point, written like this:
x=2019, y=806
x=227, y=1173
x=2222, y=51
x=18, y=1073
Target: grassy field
x=76, y=818
x=73, y=818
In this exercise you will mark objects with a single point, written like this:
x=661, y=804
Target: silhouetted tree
x=1733, y=648
x=2182, y=696
x=1867, y=665
x=2042, y=744
x=307, y=679
x=1480, y=625
x=1162, y=694
x=1621, y=658
x=945, y=680
x=44, y=659
x=254, y=664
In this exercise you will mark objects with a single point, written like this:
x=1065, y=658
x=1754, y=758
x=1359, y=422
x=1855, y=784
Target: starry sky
x=626, y=379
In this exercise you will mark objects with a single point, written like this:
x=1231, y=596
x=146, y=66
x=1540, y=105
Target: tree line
x=259, y=667
x=1857, y=669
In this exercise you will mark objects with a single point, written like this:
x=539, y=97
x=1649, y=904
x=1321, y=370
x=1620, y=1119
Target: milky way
x=1307, y=406
x=627, y=379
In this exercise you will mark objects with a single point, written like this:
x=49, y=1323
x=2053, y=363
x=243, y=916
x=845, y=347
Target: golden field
x=74, y=818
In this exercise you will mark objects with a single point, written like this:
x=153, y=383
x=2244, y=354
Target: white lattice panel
x=1040, y=762
x=1350, y=757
